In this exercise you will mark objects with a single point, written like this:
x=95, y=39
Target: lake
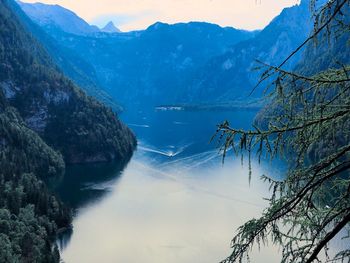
x=174, y=201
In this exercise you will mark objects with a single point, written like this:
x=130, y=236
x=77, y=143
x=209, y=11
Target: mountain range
x=181, y=63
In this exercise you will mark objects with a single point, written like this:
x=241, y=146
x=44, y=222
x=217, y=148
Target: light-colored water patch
x=158, y=214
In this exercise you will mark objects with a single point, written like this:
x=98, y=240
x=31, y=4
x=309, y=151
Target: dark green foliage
x=23, y=151
x=94, y=133
x=25, y=234
x=29, y=214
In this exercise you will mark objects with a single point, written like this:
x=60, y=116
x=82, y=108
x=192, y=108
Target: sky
x=139, y=14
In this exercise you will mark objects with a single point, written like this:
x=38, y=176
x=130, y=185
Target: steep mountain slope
x=55, y=16
x=29, y=215
x=82, y=129
x=71, y=63
x=20, y=145
x=316, y=57
x=231, y=76
x=333, y=53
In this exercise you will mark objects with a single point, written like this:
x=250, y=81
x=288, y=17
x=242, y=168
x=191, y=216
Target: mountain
x=230, y=76
x=316, y=57
x=55, y=16
x=148, y=66
x=333, y=53
x=71, y=63
x=110, y=28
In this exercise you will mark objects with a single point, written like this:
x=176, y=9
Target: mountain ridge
x=56, y=16
x=187, y=62
x=163, y=56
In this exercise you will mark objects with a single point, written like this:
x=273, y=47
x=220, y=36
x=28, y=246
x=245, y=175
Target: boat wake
x=138, y=125
x=169, y=153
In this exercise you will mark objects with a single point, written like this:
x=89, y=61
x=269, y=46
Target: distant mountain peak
x=110, y=28
x=56, y=16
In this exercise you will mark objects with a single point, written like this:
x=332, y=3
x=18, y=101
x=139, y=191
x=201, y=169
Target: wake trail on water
x=176, y=169
x=138, y=125
x=169, y=153
x=166, y=171
x=146, y=149
x=193, y=161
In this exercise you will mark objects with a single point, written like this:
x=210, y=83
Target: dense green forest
x=29, y=215
x=45, y=122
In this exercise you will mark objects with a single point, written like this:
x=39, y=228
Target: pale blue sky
x=138, y=14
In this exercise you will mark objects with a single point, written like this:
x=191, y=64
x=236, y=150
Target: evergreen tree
x=308, y=123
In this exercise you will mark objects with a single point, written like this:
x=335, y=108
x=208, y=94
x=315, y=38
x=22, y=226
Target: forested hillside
x=45, y=120
x=29, y=215
x=82, y=129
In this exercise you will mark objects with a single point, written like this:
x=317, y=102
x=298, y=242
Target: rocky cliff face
x=22, y=150
x=231, y=76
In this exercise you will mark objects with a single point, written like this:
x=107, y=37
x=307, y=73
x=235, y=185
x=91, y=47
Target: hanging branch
x=309, y=118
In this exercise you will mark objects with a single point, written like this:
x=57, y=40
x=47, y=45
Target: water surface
x=174, y=202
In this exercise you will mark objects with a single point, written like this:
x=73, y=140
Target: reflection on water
x=174, y=202
x=83, y=184
x=167, y=215
x=63, y=239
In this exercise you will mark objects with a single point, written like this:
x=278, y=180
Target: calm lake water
x=174, y=201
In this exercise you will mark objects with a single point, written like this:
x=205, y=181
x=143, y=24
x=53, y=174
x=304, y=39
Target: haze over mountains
x=166, y=64
x=53, y=17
